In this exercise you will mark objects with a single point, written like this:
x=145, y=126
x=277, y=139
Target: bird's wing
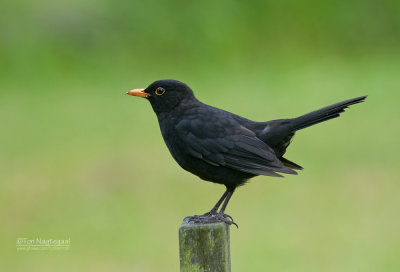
x=220, y=140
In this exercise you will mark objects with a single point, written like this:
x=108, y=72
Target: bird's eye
x=160, y=91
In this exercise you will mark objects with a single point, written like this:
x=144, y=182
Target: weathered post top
x=204, y=247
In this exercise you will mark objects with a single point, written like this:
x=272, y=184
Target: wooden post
x=204, y=247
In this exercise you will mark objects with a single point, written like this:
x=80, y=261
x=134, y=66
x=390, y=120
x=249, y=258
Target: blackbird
x=222, y=147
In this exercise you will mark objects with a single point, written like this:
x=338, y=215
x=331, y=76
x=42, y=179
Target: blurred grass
x=79, y=159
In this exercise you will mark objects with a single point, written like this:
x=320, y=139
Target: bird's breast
x=171, y=138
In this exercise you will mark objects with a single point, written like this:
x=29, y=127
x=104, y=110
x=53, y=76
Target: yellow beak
x=138, y=92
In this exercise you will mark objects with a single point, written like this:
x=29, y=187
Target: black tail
x=323, y=114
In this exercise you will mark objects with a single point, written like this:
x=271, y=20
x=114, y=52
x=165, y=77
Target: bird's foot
x=227, y=219
x=209, y=218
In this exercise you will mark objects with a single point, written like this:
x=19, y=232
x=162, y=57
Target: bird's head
x=165, y=95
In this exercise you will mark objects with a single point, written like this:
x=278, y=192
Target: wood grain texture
x=204, y=247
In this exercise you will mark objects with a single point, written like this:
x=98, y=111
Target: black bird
x=223, y=147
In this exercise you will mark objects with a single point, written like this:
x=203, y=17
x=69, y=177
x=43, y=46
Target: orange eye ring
x=160, y=91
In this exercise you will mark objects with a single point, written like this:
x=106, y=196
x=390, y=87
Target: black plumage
x=222, y=147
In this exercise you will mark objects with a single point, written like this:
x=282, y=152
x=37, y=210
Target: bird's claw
x=228, y=216
x=227, y=219
x=209, y=218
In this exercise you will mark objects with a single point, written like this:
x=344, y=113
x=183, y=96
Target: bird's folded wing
x=229, y=144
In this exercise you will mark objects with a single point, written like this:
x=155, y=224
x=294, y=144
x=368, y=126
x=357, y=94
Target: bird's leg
x=214, y=217
x=214, y=210
x=221, y=214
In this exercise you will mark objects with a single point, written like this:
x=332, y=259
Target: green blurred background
x=80, y=159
